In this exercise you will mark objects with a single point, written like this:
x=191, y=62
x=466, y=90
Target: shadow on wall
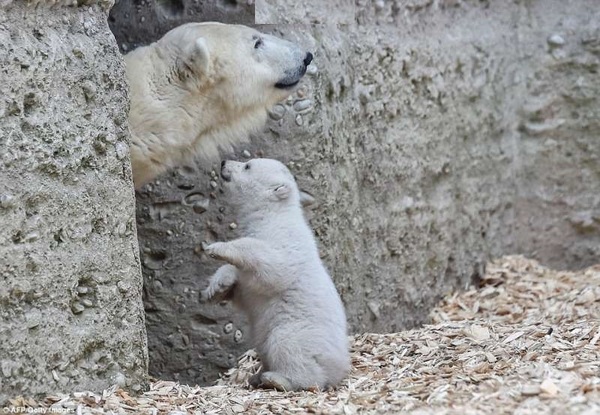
x=140, y=22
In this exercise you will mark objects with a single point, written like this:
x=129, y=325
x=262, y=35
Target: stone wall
x=557, y=135
x=433, y=134
x=312, y=12
x=71, y=315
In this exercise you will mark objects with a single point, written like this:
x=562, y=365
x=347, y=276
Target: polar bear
x=275, y=275
x=204, y=87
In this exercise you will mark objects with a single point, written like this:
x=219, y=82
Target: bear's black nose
x=222, y=163
x=308, y=59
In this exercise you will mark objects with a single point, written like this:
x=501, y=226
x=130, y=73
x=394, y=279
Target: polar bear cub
x=275, y=274
x=201, y=88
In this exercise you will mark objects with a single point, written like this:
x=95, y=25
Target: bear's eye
x=247, y=167
x=258, y=43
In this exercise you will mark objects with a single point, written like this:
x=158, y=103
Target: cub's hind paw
x=255, y=381
x=274, y=380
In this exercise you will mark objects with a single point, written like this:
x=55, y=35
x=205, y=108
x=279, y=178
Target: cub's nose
x=308, y=59
x=222, y=164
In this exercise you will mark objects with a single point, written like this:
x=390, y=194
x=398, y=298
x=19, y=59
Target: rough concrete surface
x=314, y=12
x=558, y=137
x=536, y=65
x=433, y=134
x=71, y=314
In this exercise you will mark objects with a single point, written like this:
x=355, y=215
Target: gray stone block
x=71, y=315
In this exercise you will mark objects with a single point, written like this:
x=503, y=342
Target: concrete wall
x=71, y=315
x=433, y=134
x=557, y=134
x=311, y=12
x=536, y=63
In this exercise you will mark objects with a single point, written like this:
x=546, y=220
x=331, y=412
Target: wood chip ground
x=526, y=342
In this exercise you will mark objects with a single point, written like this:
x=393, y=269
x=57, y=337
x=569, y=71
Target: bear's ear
x=197, y=57
x=306, y=199
x=282, y=191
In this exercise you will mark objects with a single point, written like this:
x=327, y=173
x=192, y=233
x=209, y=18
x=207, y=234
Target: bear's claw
x=274, y=380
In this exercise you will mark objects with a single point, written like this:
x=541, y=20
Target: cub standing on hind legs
x=297, y=318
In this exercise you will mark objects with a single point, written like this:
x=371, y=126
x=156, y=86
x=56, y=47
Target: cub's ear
x=201, y=55
x=306, y=199
x=282, y=191
x=197, y=56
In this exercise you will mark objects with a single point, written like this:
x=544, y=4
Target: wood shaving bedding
x=526, y=342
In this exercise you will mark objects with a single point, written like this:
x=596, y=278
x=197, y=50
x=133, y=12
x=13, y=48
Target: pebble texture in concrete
x=71, y=312
x=313, y=12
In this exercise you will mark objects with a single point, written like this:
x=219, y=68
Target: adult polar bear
x=204, y=87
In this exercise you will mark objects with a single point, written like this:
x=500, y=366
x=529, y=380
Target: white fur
x=297, y=318
x=203, y=87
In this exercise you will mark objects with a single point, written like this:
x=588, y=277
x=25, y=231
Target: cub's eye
x=258, y=43
x=247, y=167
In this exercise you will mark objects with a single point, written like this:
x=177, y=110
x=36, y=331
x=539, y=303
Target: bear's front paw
x=212, y=296
x=207, y=294
x=214, y=250
x=220, y=287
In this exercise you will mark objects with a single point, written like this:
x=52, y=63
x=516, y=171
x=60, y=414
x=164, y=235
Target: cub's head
x=235, y=65
x=261, y=184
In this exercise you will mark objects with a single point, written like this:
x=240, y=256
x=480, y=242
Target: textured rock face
x=434, y=135
x=533, y=66
x=332, y=12
x=71, y=314
x=558, y=137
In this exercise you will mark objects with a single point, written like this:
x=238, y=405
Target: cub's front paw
x=206, y=295
x=220, y=286
x=214, y=250
x=217, y=293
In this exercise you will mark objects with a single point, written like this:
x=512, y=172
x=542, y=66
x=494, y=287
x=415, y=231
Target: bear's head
x=261, y=185
x=235, y=65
